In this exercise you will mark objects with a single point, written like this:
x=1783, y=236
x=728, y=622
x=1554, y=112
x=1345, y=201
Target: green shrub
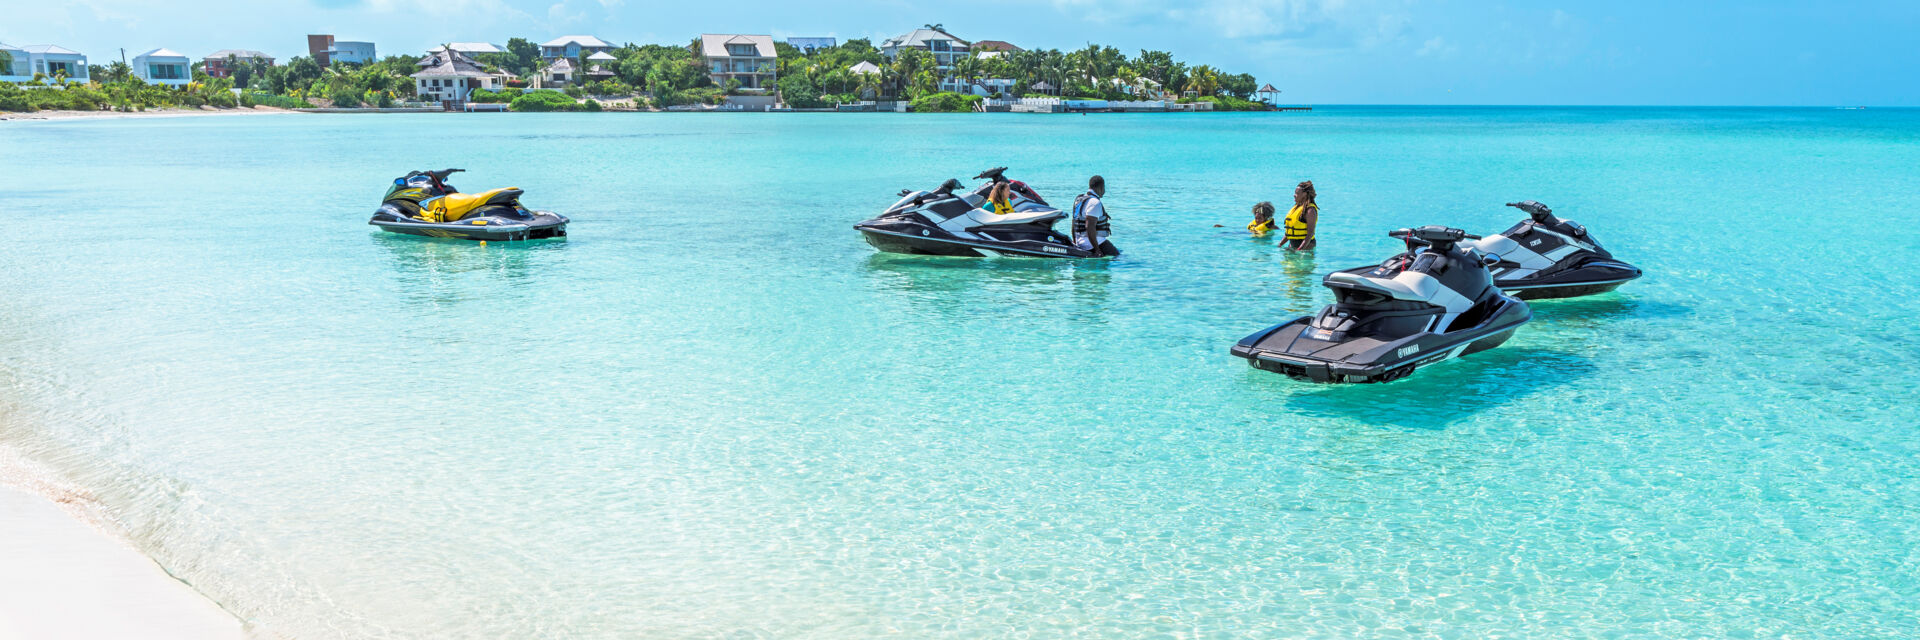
x=591, y=105
x=1228, y=103
x=283, y=102
x=483, y=95
x=543, y=100
x=944, y=102
x=345, y=97
x=13, y=99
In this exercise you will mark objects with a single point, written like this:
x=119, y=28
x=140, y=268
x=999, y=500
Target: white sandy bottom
x=61, y=577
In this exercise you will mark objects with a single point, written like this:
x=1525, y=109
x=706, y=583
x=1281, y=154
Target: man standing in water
x=1303, y=220
x=1090, y=223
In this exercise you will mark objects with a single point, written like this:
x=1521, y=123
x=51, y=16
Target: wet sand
x=61, y=576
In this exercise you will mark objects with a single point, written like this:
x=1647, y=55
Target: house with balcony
x=449, y=78
x=571, y=46
x=746, y=59
x=16, y=69
x=52, y=60
x=215, y=64
x=946, y=49
x=163, y=67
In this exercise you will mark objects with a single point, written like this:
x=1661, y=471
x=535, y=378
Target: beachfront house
x=326, y=50
x=52, y=60
x=571, y=46
x=163, y=67
x=449, y=78
x=809, y=46
x=746, y=59
x=15, y=66
x=215, y=64
x=946, y=49
x=557, y=74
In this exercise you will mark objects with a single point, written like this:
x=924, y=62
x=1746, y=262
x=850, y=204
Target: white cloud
x=1436, y=47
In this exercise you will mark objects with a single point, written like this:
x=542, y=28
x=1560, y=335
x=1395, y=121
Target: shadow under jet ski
x=1448, y=394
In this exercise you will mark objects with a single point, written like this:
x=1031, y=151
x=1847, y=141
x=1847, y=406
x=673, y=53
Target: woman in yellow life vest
x=1302, y=220
x=1000, y=199
x=1262, y=220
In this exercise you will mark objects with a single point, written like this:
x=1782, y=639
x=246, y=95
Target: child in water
x=1262, y=220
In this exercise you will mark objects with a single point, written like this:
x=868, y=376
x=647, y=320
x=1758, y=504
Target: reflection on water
x=440, y=270
x=1298, y=284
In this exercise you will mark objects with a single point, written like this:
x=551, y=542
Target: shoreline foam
x=64, y=574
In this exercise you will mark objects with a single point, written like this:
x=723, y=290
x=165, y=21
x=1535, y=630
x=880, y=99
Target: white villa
x=558, y=74
x=946, y=49
x=571, y=46
x=16, y=70
x=746, y=58
x=163, y=66
x=49, y=59
x=449, y=78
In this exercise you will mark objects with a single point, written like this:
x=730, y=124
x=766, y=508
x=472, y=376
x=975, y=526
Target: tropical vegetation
x=663, y=76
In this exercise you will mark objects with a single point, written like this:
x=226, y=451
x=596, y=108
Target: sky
x=1627, y=52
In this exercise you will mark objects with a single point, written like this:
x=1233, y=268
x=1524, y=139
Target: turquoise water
x=715, y=412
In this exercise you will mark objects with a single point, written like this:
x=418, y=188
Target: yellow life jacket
x=1297, y=223
x=1261, y=227
x=1001, y=209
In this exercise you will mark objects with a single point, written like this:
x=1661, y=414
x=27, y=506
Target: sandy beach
x=62, y=576
x=151, y=113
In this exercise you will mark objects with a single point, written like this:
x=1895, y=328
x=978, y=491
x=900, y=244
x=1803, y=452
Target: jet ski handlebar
x=993, y=174
x=1432, y=234
x=1540, y=212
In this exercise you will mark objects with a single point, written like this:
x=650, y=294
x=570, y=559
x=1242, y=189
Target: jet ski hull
x=1599, y=276
x=1290, y=349
x=541, y=225
x=897, y=236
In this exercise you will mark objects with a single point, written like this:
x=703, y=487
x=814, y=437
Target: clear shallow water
x=714, y=411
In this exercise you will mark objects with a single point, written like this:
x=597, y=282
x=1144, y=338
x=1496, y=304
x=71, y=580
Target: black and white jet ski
x=1546, y=256
x=1433, y=303
x=949, y=222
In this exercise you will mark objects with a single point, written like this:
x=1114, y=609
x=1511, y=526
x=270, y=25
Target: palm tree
x=1204, y=80
x=935, y=27
x=967, y=69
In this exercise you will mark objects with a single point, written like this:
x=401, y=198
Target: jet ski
x=951, y=222
x=423, y=204
x=1550, y=257
x=1433, y=303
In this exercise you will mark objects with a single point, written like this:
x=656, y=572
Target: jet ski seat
x=1390, y=288
x=455, y=206
x=985, y=218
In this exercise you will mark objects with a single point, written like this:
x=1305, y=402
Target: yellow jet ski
x=423, y=204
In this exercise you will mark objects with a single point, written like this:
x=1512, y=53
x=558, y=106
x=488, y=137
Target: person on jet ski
x=1091, y=226
x=1303, y=220
x=1000, y=199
